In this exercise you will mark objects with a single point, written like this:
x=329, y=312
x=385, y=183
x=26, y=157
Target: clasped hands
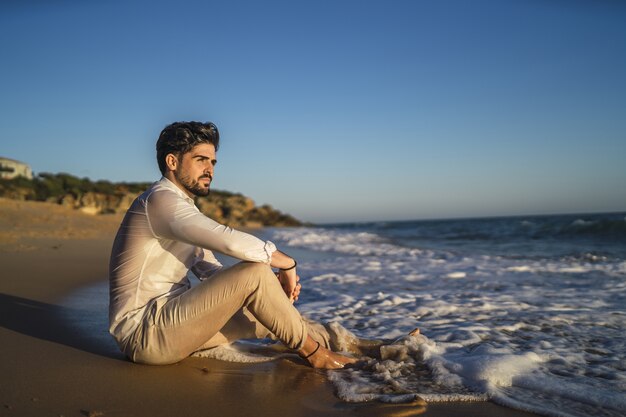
x=289, y=280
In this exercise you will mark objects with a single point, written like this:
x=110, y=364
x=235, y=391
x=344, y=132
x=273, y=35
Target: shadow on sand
x=78, y=328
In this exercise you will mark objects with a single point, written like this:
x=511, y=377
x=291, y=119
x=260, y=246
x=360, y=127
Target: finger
x=296, y=292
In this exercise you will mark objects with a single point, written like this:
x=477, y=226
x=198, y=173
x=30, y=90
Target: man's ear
x=171, y=161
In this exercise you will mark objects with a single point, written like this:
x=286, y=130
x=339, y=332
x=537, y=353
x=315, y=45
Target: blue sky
x=332, y=110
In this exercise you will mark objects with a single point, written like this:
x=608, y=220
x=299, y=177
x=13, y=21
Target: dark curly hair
x=180, y=137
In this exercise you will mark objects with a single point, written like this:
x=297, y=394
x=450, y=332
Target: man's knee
x=255, y=271
x=256, y=267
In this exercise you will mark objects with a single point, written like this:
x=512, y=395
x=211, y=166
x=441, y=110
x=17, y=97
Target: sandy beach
x=51, y=367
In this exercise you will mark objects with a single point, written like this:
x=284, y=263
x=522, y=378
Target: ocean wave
x=605, y=228
x=498, y=229
x=511, y=330
x=416, y=368
x=563, y=228
x=542, y=330
x=341, y=241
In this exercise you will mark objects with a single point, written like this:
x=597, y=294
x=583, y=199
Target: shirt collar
x=170, y=185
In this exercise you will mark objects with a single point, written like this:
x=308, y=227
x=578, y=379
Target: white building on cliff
x=10, y=168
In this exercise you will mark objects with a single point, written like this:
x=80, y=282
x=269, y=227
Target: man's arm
x=173, y=218
x=281, y=260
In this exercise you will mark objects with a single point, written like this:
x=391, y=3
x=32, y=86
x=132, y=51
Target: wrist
x=290, y=268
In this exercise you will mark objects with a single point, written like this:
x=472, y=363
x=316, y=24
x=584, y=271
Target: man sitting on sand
x=155, y=315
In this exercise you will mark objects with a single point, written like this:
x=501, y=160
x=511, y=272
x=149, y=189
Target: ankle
x=307, y=356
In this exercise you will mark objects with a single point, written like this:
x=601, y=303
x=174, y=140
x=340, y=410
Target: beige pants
x=243, y=301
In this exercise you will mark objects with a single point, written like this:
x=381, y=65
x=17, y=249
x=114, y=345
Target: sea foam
x=544, y=334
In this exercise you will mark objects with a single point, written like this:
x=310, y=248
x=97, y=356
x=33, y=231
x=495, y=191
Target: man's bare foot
x=327, y=359
x=321, y=358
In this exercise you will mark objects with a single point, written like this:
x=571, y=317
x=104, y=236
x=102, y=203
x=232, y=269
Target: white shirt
x=161, y=238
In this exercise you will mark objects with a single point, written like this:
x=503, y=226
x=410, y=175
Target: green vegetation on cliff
x=107, y=197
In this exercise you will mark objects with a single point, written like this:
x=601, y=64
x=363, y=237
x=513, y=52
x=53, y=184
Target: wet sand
x=50, y=366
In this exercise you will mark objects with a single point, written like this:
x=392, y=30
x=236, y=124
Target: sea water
x=529, y=312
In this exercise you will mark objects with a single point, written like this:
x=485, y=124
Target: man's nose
x=209, y=169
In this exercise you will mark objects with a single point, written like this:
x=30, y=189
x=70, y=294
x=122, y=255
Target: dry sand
x=49, y=367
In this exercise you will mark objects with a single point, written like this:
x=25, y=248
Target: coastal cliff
x=104, y=197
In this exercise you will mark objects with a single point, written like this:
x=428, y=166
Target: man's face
x=195, y=169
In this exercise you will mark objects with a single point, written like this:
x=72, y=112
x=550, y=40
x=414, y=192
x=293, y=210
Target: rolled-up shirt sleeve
x=176, y=218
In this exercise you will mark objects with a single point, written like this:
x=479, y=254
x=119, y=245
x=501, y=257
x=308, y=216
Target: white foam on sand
x=246, y=352
x=541, y=334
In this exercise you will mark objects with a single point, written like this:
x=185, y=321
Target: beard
x=193, y=185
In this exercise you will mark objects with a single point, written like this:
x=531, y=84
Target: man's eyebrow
x=203, y=157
